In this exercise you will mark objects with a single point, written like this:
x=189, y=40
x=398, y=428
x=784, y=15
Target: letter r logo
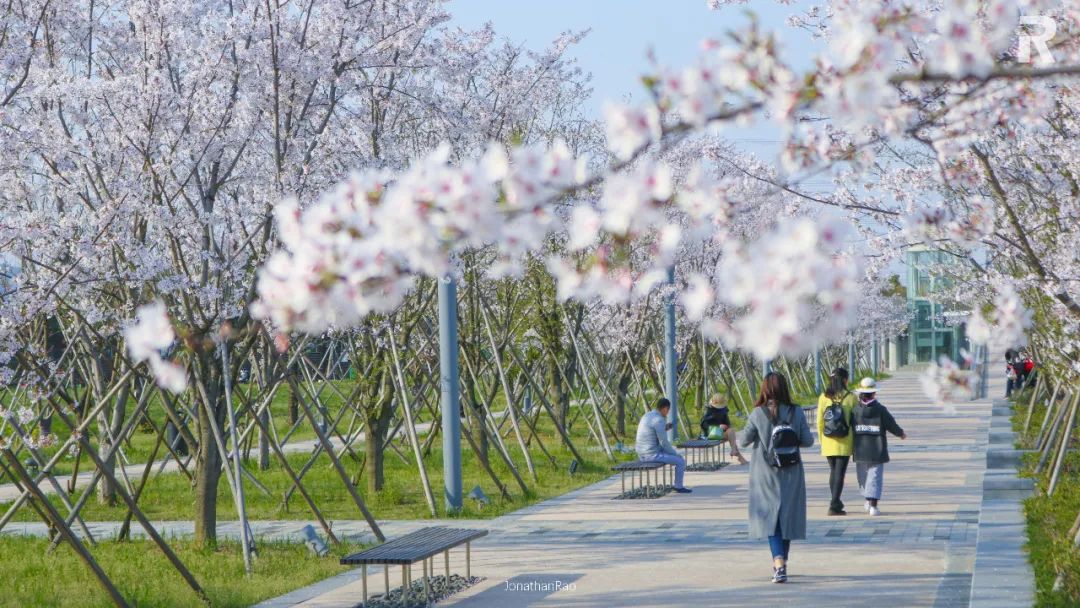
x=1047, y=28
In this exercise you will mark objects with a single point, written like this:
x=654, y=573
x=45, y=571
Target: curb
x=1002, y=576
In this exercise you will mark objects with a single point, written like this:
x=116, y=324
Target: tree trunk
x=294, y=407
x=106, y=489
x=620, y=402
x=208, y=463
x=373, y=461
x=377, y=420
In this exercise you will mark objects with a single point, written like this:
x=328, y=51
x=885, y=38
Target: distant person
x=1027, y=366
x=653, y=445
x=1012, y=364
x=871, y=447
x=715, y=424
x=777, y=429
x=836, y=434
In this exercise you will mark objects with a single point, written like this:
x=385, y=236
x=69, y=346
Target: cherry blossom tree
x=155, y=139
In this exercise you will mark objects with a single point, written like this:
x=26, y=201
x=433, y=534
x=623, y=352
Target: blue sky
x=623, y=31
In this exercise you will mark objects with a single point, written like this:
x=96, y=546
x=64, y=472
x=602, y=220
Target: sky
x=622, y=32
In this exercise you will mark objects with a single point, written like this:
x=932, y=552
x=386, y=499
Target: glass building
x=933, y=330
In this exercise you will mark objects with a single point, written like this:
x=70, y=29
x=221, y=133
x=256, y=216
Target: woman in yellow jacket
x=837, y=450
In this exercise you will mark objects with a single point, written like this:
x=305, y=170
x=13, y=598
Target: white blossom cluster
x=1011, y=321
x=147, y=337
x=359, y=248
x=965, y=226
x=947, y=383
x=796, y=289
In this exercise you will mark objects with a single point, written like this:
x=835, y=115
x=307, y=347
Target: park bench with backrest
x=421, y=545
x=649, y=474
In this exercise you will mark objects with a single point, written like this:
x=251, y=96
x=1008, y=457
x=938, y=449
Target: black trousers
x=837, y=471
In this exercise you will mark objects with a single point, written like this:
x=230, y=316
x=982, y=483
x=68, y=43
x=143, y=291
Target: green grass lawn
x=169, y=496
x=1049, y=518
x=142, y=574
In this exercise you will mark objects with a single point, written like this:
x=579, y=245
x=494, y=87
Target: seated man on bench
x=653, y=445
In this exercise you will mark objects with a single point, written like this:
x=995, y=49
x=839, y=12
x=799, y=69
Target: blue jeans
x=675, y=459
x=777, y=543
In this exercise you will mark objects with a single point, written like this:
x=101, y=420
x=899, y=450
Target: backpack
x=783, y=448
x=835, y=423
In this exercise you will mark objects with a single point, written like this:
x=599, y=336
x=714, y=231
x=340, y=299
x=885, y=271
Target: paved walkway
x=584, y=549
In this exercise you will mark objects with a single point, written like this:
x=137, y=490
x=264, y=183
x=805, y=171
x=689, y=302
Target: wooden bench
x=700, y=451
x=646, y=468
x=421, y=545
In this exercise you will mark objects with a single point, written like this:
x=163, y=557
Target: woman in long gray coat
x=777, y=494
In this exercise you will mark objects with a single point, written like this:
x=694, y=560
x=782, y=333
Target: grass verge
x=1050, y=518
x=142, y=574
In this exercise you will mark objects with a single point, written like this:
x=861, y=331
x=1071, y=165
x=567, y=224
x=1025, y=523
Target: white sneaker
x=874, y=512
x=866, y=506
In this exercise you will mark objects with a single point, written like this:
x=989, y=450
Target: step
x=1000, y=423
x=1001, y=410
x=1008, y=459
x=1000, y=401
x=1006, y=480
x=1018, y=495
x=1002, y=438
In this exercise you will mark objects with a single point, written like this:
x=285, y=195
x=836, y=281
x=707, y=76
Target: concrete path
x=584, y=549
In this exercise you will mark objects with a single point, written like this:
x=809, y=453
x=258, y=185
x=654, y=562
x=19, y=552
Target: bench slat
x=638, y=465
x=700, y=443
x=415, y=546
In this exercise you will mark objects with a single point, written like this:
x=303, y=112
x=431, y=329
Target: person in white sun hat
x=871, y=447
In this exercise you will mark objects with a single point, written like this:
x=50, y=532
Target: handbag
x=716, y=432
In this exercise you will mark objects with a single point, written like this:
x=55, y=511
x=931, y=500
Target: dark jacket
x=714, y=416
x=871, y=421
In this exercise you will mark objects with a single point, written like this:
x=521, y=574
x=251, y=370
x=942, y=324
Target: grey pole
x=874, y=363
x=851, y=357
x=819, y=385
x=671, y=359
x=448, y=380
x=766, y=369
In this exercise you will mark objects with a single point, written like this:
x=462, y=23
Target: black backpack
x=783, y=448
x=835, y=422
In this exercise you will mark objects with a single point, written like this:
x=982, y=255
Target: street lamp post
x=818, y=382
x=671, y=358
x=448, y=381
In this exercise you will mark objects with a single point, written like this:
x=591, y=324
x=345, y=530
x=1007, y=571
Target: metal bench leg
x=406, y=581
x=648, y=484
x=446, y=562
x=427, y=584
x=363, y=575
x=623, y=473
x=468, y=561
x=386, y=578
